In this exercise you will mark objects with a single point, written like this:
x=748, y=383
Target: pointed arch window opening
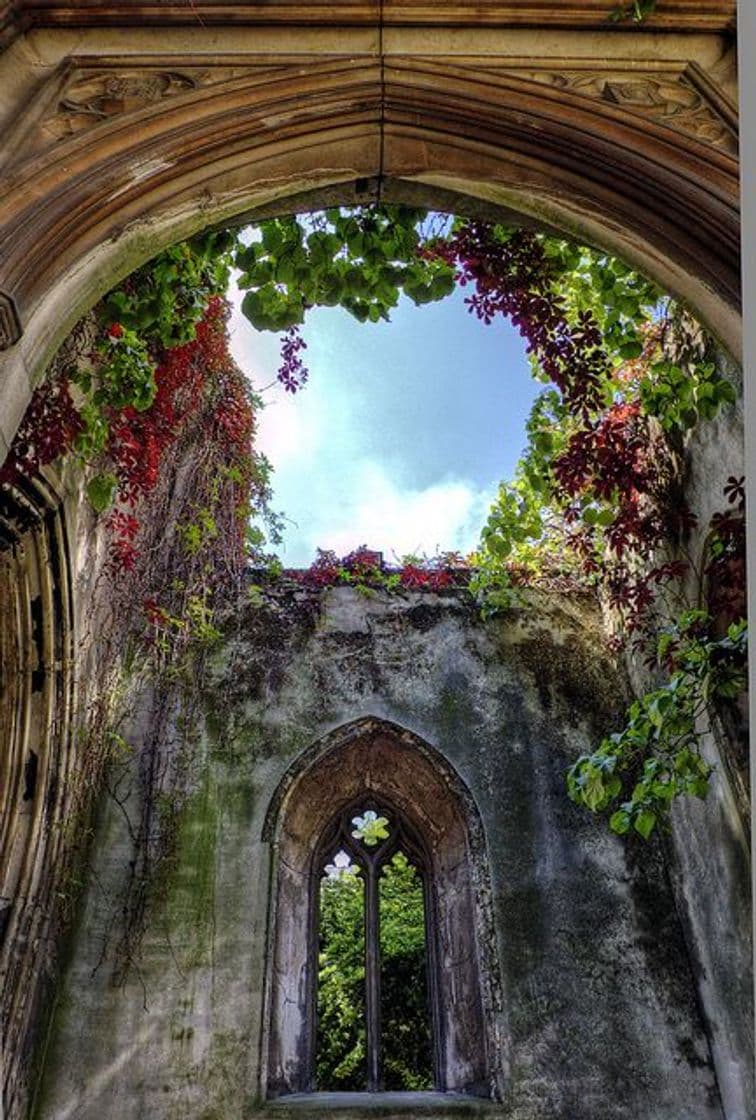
x=372, y=851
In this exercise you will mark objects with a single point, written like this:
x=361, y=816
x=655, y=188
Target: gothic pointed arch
x=117, y=155
x=381, y=762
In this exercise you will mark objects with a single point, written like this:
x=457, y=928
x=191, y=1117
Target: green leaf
x=644, y=823
x=101, y=491
x=594, y=792
x=253, y=308
x=698, y=787
x=619, y=822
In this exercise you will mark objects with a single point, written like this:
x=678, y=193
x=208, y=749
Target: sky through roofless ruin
x=402, y=433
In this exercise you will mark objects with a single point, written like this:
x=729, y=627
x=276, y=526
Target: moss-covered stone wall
x=594, y=1002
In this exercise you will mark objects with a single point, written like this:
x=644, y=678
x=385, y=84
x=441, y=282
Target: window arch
x=375, y=767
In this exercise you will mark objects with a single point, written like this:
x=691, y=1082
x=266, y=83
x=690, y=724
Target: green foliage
x=523, y=542
x=620, y=300
x=357, y=259
x=515, y=517
x=657, y=756
x=93, y=436
x=537, y=518
x=199, y=620
x=548, y=428
x=405, y=1018
x=155, y=309
x=125, y=375
x=164, y=300
x=405, y=1034
x=526, y=533
x=341, y=1038
x=122, y=375
x=199, y=532
x=101, y=491
x=637, y=11
x=511, y=537
x=682, y=398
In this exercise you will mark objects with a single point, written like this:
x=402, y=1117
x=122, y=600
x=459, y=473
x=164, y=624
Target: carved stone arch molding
x=373, y=757
x=40, y=766
x=116, y=154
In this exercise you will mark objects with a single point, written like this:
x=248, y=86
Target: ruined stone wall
x=709, y=848
x=597, y=1015
x=56, y=671
x=599, y=976
x=122, y=139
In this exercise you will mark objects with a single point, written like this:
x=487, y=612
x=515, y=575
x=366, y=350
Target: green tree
x=341, y=1034
x=406, y=1041
x=407, y=1048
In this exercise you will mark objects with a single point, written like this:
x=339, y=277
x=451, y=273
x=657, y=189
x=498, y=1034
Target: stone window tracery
x=370, y=802
x=373, y=954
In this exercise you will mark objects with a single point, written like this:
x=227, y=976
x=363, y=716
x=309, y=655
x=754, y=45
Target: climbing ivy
x=596, y=501
x=147, y=404
x=657, y=755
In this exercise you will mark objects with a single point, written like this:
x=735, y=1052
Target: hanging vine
x=597, y=501
x=158, y=420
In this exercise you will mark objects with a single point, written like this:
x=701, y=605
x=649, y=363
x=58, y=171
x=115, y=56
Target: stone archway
x=122, y=143
x=374, y=756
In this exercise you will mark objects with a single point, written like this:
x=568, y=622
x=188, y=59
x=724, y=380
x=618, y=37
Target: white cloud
x=334, y=492
x=292, y=429
x=285, y=432
x=370, y=508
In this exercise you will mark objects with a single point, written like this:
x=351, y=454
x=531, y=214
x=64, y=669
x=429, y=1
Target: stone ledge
x=353, y=1106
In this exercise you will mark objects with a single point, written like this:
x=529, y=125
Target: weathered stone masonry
x=128, y=126
x=588, y=988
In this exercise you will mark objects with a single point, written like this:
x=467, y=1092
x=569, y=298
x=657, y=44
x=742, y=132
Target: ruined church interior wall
x=600, y=977
x=596, y=1009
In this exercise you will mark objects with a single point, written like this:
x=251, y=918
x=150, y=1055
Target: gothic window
x=373, y=955
x=382, y=976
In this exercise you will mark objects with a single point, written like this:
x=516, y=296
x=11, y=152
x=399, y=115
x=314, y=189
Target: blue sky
x=402, y=433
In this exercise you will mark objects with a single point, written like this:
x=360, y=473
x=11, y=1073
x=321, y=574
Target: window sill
x=386, y=1105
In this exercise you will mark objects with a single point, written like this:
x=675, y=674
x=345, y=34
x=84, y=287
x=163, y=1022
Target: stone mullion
x=372, y=978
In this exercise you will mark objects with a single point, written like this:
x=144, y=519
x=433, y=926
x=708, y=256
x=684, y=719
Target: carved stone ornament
x=677, y=95
x=10, y=324
x=671, y=99
x=82, y=96
x=104, y=94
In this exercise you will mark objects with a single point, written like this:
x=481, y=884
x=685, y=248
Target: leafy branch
x=657, y=756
